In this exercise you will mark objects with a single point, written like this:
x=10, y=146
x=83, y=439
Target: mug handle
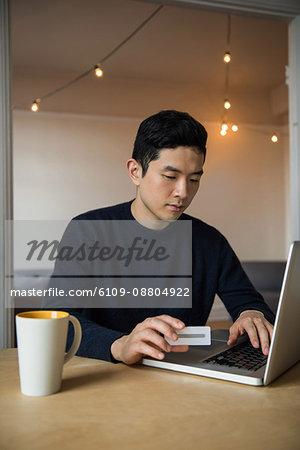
x=76, y=340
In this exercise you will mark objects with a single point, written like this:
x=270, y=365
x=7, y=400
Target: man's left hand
x=256, y=325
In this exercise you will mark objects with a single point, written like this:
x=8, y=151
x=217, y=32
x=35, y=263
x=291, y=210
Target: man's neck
x=153, y=224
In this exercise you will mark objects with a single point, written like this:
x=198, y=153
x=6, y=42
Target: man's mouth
x=175, y=207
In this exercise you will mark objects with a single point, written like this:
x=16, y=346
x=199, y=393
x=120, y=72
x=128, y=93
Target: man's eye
x=169, y=177
x=194, y=181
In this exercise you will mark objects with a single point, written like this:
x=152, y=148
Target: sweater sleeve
x=96, y=339
x=234, y=287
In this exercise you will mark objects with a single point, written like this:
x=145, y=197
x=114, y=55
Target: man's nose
x=181, y=189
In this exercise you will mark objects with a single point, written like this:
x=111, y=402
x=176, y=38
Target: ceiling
x=177, y=55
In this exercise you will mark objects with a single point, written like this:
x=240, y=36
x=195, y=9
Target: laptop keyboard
x=243, y=356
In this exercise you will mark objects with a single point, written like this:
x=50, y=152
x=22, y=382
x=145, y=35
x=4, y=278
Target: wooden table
x=114, y=406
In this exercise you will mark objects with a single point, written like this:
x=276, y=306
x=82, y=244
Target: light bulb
x=274, y=138
x=223, y=132
x=224, y=126
x=234, y=128
x=227, y=104
x=227, y=57
x=98, y=71
x=34, y=106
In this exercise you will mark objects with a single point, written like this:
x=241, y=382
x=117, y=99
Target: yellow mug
x=41, y=340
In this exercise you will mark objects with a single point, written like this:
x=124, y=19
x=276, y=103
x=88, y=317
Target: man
x=166, y=168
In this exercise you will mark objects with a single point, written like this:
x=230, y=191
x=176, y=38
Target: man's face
x=169, y=185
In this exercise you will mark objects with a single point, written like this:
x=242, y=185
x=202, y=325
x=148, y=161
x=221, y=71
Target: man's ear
x=135, y=171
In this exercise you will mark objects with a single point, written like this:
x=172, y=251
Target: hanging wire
x=228, y=31
x=228, y=48
x=131, y=35
x=226, y=97
x=226, y=80
x=84, y=74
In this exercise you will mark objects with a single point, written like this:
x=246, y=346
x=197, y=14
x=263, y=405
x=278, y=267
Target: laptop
x=241, y=363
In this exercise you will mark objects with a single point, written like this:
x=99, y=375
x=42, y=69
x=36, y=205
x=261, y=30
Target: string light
x=227, y=57
x=224, y=126
x=227, y=104
x=35, y=106
x=98, y=71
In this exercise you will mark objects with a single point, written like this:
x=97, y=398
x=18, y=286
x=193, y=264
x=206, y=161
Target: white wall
x=244, y=191
x=66, y=164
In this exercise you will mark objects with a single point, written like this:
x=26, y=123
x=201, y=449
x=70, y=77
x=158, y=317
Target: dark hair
x=167, y=129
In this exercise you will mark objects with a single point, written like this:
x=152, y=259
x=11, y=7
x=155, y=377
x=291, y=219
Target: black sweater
x=216, y=270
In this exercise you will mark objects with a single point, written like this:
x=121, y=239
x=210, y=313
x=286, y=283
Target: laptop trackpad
x=197, y=353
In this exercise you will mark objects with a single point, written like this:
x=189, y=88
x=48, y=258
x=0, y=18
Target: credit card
x=192, y=336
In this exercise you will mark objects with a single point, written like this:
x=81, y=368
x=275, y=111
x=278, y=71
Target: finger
x=156, y=323
x=179, y=348
x=252, y=332
x=175, y=323
x=263, y=335
x=270, y=329
x=172, y=321
x=175, y=348
x=264, y=340
x=152, y=337
x=233, y=334
x=146, y=349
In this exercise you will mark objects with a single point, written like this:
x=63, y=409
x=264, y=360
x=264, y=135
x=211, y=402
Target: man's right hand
x=146, y=340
